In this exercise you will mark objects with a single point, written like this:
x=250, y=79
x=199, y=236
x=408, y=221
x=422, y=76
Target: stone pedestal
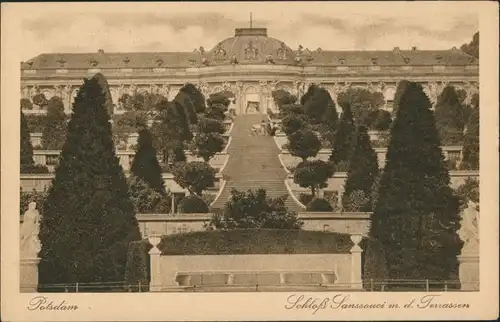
x=469, y=271
x=163, y=277
x=356, y=277
x=29, y=275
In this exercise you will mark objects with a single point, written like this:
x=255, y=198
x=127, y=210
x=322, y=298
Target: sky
x=133, y=27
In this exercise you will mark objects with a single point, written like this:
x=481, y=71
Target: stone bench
x=231, y=277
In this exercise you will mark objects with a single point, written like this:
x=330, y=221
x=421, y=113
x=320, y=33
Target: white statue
x=30, y=243
x=469, y=228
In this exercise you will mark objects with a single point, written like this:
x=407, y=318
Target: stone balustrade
x=50, y=158
x=168, y=224
x=41, y=182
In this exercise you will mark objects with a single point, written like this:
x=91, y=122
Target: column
x=356, y=277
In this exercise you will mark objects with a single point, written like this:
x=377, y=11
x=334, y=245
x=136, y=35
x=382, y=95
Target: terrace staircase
x=253, y=163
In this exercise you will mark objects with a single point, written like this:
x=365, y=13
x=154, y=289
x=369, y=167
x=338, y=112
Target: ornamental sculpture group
x=468, y=233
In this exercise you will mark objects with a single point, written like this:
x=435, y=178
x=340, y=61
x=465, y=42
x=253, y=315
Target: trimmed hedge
x=319, y=204
x=255, y=241
x=193, y=205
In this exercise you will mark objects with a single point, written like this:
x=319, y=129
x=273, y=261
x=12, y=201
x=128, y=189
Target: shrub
x=26, y=148
x=319, y=204
x=304, y=144
x=382, y=121
x=193, y=205
x=357, y=200
x=305, y=198
x=144, y=198
x=26, y=104
x=293, y=123
x=253, y=209
x=36, y=123
x=468, y=191
x=34, y=169
x=313, y=174
x=196, y=176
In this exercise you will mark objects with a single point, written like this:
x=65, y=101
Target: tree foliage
x=471, y=142
x=193, y=204
x=54, y=131
x=254, y=209
x=319, y=106
x=400, y=89
x=344, y=137
x=293, y=123
x=472, y=48
x=88, y=218
x=362, y=102
x=26, y=148
x=146, y=200
x=217, y=106
x=170, y=131
x=145, y=165
x=313, y=174
x=194, y=176
x=449, y=114
x=362, y=172
x=304, y=144
x=208, y=144
x=416, y=214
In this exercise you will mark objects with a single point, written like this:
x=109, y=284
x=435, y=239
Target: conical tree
x=397, y=96
x=54, y=132
x=26, y=148
x=145, y=165
x=344, y=137
x=449, y=117
x=471, y=142
x=88, y=219
x=361, y=174
x=416, y=215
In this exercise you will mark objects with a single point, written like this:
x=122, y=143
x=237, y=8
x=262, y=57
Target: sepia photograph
x=313, y=152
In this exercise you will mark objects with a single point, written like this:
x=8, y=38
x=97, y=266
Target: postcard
x=249, y=161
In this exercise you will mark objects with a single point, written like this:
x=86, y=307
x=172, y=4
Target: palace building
x=251, y=65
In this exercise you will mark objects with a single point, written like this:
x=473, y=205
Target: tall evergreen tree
x=449, y=117
x=471, y=142
x=88, y=218
x=397, y=95
x=362, y=171
x=344, y=137
x=26, y=148
x=416, y=215
x=145, y=165
x=54, y=132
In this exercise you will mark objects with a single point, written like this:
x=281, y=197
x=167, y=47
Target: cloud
x=183, y=27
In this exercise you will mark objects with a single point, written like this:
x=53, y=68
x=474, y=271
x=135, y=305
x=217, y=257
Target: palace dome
x=251, y=46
